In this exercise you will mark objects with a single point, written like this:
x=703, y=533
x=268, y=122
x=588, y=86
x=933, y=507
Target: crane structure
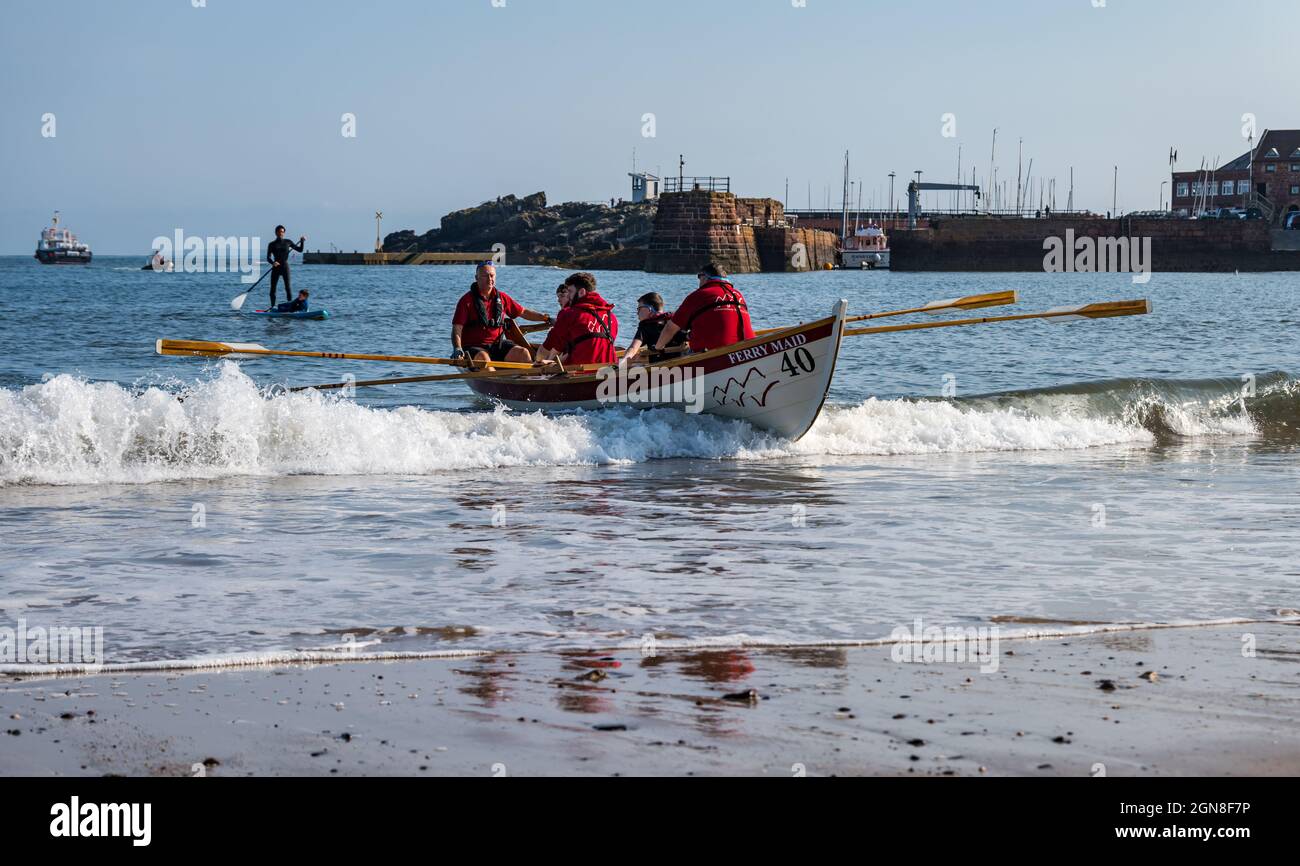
x=915, y=188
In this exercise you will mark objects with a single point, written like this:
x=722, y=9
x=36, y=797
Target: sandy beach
x=1168, y=701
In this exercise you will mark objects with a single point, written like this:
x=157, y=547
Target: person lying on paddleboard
x=277, y=254
x=585, y=330
x=715, y=314
x=650, y=313
x=478, y=325
x=299, y=305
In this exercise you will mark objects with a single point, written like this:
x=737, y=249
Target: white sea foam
x=69, y=431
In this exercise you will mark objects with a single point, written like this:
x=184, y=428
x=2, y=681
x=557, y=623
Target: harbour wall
x=974, y=244
x=742, y=235
x=412, y=258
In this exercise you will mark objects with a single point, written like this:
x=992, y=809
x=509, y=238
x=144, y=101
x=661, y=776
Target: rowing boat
x=777, y=381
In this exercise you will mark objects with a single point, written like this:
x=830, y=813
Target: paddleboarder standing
x=277, y=254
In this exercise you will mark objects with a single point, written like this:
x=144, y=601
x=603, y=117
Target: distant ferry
x=60, y=247
x=868, y=248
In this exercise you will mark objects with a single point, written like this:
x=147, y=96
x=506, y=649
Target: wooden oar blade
x=973, y=302
x=204, y=349
x=970, y=302
x=1103, y=310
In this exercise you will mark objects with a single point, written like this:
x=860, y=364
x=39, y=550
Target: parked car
x=1292, y=221
x=1254, y=213
x=1232, y=213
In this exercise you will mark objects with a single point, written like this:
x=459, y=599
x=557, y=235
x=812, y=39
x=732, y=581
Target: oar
x=481, y=374
x=1104, y=310
x=205, y=349
x=971, y=302
x=533, y=329
x=238, y=302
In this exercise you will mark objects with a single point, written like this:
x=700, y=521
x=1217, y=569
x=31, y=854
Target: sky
x=225, y=117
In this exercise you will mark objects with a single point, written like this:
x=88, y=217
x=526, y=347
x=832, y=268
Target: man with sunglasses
x=478, y=325
x=715, y=314
x=650, y=313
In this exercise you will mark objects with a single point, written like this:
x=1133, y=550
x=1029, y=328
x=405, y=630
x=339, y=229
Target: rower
x=298, y=305
x=478, y=325
x=585, y=329
x=715, y=314
x=277, y=254
x=650, y=313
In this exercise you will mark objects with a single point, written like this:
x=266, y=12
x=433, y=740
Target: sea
x=1078, y=475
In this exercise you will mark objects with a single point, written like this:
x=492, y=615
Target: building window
x=1182, y=190
x=1295, y=190
x=1243, y=187
x=1227, y=187
x=1196, y=187
x=1295, y=166
x=1271, y=167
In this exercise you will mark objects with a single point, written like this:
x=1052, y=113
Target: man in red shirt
x=715, y=314
x=585, y=329
x=479, y=321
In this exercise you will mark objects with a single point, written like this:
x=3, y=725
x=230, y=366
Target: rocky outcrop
x=573, y=234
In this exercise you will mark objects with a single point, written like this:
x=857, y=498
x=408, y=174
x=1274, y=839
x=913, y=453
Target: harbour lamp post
x=1162, y=194
x=892, y=209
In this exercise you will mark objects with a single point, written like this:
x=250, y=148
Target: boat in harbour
x=867, y=249
x=58, y=246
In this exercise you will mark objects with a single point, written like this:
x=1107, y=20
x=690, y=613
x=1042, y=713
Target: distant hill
x=573, y=234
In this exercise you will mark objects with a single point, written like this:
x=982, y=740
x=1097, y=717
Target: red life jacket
x=594, y=321
x=731, y=307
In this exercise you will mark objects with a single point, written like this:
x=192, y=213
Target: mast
x=844, y=213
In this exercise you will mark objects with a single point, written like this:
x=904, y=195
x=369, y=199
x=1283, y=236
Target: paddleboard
x=303, y=314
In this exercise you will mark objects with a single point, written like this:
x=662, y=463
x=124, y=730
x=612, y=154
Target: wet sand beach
x=1169, y=701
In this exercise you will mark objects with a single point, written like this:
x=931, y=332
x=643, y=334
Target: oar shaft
x=329, y=386
x=209, y=349
x=993, y=299
x=1093, y=311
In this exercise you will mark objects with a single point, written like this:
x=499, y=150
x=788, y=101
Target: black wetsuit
x=297, y=305
x=278, y=251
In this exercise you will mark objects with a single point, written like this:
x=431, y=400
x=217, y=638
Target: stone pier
x=742, y=235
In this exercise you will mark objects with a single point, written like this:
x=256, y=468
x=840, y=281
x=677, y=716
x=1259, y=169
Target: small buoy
x=826, y=267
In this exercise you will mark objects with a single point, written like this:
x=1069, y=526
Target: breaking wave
x=70, y=431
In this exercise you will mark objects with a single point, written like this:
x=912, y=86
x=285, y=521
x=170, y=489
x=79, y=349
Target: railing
x=707, y=184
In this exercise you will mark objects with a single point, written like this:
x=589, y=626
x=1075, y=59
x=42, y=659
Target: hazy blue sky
x=226, y=119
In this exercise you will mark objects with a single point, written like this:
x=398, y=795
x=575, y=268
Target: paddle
x=237, y=302
x=971, y=302
x=533, y=329
x=1104, y=310
x=481, y=374
x=205, y=349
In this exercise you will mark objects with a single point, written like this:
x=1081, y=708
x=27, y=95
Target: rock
x=574, y=234
x=1149, y=676
x=1106, y=685
x=749, y=697
x=594, y=676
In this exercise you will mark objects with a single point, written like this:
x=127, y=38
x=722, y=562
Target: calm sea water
x=1124, y=470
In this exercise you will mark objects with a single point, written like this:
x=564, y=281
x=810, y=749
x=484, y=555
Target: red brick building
x=1267, y=178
